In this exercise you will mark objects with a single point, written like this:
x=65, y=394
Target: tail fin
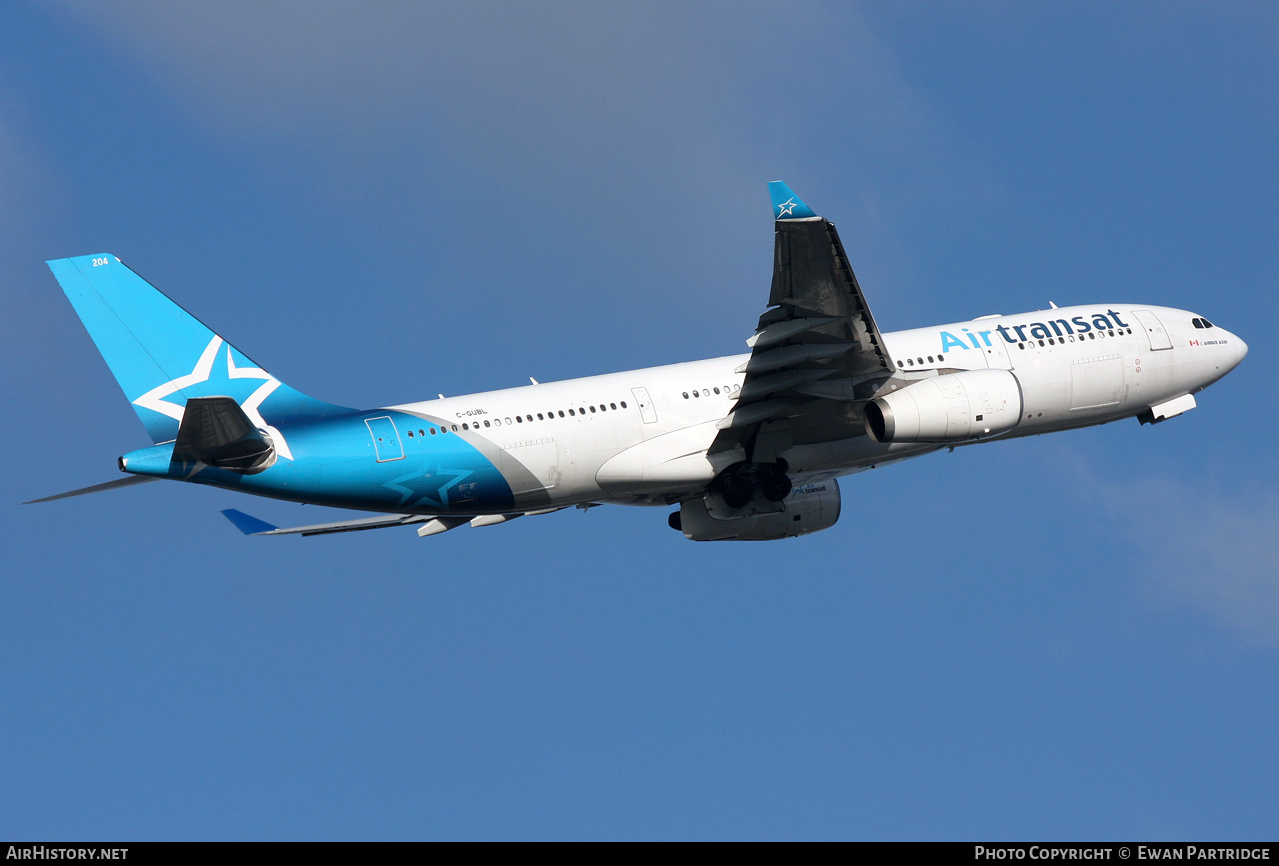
x=163, y=356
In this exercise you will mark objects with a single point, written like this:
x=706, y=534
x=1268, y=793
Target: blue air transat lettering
x=1037, y=330
x=746, y=447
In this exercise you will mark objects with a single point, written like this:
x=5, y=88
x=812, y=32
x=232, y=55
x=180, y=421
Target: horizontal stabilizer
x=96, y=488
x=217, y=432
x=250, y=525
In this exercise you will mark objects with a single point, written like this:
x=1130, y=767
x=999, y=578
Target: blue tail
x=163, y=356
x=788, y=205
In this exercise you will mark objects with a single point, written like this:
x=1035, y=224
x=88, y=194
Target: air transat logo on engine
x=1033, y=331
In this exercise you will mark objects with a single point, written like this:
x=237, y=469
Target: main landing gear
x=738, y=483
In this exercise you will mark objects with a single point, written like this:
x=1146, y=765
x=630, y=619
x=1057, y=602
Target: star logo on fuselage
x=203, y=373
x=430, y=490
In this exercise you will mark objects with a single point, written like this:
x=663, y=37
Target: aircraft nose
x=1236, y=351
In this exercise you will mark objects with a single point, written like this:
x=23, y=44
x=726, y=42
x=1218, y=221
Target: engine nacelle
x=808, y=508
x=953, y=407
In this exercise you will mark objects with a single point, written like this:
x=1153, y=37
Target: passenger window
x=623, y=404
x=612, y=405
x=1021, y=346
x=519, y=419
x=530, y=418
x=592, y=410
x=410, y=434
x=570, y=411
x=432, y=431
x=497, y=422
x=487, y=424
x=930, y=359
x=508, y=420
x=466, y=427
x=910, y=361
x=685, y=395
x=900, y=364
x=455, y=427
x=717, y=390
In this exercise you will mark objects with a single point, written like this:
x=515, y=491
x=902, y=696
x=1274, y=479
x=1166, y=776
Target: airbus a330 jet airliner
x=748, y=447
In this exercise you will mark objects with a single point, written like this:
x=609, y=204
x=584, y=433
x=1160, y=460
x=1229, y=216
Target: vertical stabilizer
x=163, y=356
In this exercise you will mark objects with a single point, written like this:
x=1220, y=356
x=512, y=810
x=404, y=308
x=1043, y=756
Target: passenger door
x=645, y=403
x=1154, y=330
x=386, y=439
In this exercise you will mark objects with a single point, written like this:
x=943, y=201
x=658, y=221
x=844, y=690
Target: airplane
x=748, y=447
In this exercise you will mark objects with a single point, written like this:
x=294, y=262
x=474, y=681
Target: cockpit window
x=1198, y=323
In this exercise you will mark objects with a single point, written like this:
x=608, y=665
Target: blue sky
x=1066, y=637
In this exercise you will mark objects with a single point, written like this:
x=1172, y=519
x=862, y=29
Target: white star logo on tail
x=154, y=399
x=786, y=208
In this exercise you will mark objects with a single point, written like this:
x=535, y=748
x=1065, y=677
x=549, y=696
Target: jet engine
x=808, y=508
x=954, y=407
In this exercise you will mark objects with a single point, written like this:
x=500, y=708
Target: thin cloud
x=1216, y=552
x=693, y=92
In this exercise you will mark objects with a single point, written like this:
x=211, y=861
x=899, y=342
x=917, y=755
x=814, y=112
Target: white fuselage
x=641, y=437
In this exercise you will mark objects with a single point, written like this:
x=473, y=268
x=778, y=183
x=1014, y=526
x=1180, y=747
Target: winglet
x=787, y=205
x=247, y=524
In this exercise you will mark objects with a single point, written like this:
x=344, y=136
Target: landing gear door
x=645, y=403
x=1154, y=330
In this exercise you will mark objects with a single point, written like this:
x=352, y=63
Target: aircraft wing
x=817, y=353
